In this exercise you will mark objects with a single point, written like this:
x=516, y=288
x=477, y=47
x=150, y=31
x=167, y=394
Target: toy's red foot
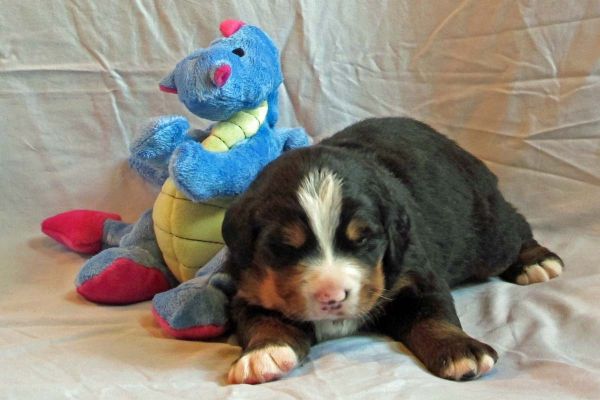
x=200, y=332
x=122, y=281
x=79, y=230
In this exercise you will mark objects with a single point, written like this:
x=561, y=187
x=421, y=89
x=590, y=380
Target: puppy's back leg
x=534, y=264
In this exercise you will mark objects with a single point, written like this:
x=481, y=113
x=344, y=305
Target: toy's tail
x=79, y=230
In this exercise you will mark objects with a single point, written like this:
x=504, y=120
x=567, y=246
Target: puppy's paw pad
x=469, y=360
x=468, y=368
x=542, y=271
x=263, y=365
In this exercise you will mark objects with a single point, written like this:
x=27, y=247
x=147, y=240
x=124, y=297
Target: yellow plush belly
x=188, y=233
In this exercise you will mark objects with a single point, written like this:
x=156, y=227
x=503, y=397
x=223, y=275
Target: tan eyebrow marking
x=294, y=235
x=355, y=229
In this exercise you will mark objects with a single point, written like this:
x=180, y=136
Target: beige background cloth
x=515, y=82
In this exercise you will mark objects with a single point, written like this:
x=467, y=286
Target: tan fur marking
x=294, y=235
x=355, y=229
x=268, y=293
x=285, y=290
x=249, y=288
x=372, y=289
x=447, y=351
x=402, y=282
x=426, y=337
x=271, y=330
x=273, y=290
x=440, y=329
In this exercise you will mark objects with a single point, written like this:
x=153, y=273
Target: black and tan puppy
x=369, y=230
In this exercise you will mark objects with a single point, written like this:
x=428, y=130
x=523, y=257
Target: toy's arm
x=203, y=175
x=293, y=138
x=151, y=151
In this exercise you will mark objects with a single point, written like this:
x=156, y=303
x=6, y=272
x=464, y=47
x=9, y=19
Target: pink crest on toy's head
x=230, y=26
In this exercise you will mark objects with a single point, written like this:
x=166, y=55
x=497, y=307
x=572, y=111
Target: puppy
x=368, y=231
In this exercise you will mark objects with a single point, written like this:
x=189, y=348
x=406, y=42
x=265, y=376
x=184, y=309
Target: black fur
x=464, y=225
x=437, y=218
x=404, y=173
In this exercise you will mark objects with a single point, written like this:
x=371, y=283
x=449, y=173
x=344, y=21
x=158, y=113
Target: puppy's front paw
x=463, y=359
x=263, y=365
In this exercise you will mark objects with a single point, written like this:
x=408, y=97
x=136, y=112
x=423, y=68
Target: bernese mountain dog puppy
x=368, y=231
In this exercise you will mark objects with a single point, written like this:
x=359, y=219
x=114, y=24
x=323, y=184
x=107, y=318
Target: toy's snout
x=221, y=75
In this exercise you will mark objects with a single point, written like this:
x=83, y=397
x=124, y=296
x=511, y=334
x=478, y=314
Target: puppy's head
x=309, y=243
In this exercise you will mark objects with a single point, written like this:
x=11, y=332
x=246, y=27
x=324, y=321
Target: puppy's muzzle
x=330, y=296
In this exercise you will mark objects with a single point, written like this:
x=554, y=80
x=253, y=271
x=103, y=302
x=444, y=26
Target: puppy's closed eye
x=279, y=246
x=358, y=232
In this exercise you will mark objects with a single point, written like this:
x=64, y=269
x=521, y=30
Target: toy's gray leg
x=130, y=272
x=142, y=235
x=137, y=235
x=199, y=308
x=114, y=231
x=214, y=266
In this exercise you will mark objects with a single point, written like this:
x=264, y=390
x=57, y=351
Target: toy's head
x=236, y=72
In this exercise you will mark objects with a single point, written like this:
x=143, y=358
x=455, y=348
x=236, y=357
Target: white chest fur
x=325, y=330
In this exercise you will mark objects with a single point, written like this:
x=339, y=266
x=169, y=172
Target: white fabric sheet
x=515, y=82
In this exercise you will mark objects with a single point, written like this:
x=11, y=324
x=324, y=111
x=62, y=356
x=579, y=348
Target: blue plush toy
x=235, y=82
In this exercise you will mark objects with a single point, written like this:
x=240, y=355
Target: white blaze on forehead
x=320, y=195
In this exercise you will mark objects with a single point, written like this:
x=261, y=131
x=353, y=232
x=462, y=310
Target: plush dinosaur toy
x=174, y=251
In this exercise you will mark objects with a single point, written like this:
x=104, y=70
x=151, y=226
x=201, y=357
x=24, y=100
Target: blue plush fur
x=200, y=174
x=166, y=147
x=255, y=76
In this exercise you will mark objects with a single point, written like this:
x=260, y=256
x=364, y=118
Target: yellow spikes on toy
x=243, y=124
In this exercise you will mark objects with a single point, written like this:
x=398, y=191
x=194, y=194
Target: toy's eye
x=239, y=52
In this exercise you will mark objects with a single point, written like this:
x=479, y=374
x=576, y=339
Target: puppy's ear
x=397, y=228
x=240, y=230
x=397, y=231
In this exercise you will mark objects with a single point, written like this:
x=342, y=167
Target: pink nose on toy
x=221, y=75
